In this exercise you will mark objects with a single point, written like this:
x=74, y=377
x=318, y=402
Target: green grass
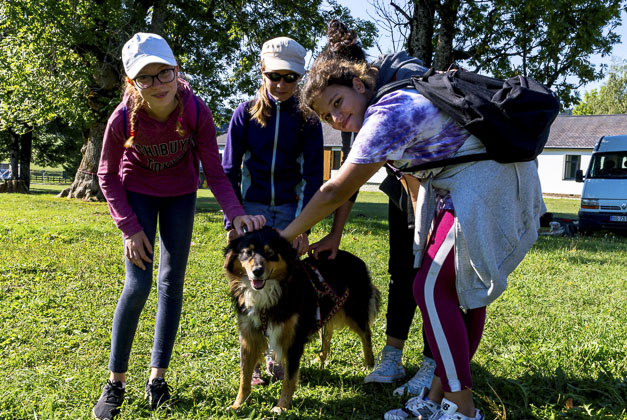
x=554, y=344
x=563, y=207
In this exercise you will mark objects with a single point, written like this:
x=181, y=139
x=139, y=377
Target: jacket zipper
x=276, y=141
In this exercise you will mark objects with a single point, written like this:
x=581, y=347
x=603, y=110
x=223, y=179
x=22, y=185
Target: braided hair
x=137, y=102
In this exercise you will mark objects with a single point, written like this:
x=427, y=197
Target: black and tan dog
x=283, y=300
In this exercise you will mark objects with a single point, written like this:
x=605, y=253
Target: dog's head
x=258, y=262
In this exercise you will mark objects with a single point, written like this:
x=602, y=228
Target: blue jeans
x=276, y=216
x=175, y=216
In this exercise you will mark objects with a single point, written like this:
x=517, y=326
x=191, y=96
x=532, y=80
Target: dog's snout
x=258, y=270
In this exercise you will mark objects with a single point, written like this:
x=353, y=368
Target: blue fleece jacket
x=277, y=164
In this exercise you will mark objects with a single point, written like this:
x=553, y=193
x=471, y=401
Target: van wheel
x=585, y=231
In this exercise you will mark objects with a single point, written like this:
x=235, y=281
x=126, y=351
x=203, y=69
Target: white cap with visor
x=283, y=54
x=143, y=49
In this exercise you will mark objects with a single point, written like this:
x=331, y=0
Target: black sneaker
x=108, y=406
x=157, y=392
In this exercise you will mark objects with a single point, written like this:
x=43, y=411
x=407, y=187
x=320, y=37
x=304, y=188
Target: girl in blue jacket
x=274, y=155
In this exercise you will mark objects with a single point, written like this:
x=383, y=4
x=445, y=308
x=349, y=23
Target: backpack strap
x=248, y=116
x=197, y=116
x=449, y=161
x=125, y=117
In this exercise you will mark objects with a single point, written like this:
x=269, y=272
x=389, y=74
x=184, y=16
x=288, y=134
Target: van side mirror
x=579, y=175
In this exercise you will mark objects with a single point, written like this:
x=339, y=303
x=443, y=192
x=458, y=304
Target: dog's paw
x=233, y=407
x=278, y=410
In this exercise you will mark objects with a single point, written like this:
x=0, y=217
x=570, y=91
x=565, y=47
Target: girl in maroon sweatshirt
x=149, y=174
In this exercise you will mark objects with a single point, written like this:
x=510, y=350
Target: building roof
x=583, y=131
x=567, y=132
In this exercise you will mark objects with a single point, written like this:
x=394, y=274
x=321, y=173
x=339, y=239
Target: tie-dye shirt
x=406, y=129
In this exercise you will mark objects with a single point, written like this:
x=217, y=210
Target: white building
x=569, y=148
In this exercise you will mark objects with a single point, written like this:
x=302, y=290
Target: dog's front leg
x=252, y=345
x=290, y=379
x=326, y=334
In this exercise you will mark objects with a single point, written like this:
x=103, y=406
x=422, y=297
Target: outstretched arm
x=331, y=242
x=331, y=195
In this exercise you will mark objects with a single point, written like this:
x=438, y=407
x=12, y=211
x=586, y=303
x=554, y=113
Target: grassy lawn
x=554, y=345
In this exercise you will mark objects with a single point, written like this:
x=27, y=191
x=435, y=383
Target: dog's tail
x=374, y=304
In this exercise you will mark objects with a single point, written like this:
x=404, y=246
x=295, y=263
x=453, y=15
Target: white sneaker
x=389, y=367
x=419, y=407
x=448, y=411
x=421, y=379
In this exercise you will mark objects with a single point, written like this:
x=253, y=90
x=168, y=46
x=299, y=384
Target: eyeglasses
x=275, y=77
x=164, y=76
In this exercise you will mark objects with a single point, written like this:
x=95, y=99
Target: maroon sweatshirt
x=161, y=162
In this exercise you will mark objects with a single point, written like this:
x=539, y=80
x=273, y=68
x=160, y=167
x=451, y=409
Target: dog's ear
x=230, y=255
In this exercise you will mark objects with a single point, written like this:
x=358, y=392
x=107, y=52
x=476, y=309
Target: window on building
x=571, y=165
x=336, y=159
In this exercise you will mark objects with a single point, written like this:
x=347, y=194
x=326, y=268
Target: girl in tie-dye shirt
x=483, y=225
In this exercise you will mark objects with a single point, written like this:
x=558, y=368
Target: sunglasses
x=275, y=77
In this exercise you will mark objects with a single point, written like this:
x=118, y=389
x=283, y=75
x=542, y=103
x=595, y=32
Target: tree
x=40, y=80
x=64, y=57
x=551, y=41
x=610, y=98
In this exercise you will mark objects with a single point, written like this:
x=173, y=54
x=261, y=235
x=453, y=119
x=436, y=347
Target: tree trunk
x=14, y=155
x=158, y=16
x=85, y=185
x=420, y=42
x=19, y=158
x=14, y=186
x=26, y=150
x=447, y=12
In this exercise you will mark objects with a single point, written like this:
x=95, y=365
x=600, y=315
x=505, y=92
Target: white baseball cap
x=143, y=49
x=283, y=54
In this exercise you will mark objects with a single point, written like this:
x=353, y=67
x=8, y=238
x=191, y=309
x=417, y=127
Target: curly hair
x=339, y=63
x=334, y=71
x=343, y=43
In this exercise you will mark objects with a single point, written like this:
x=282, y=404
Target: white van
x=604, y=195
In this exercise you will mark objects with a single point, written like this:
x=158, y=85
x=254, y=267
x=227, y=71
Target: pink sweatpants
x=452, y=334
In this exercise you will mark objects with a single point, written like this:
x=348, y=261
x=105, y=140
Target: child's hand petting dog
x=247, y=223
x=301, y=244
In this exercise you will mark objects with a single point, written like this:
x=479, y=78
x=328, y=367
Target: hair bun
x=343, y=42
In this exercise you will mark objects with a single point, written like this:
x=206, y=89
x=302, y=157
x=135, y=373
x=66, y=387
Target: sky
x=364, y=10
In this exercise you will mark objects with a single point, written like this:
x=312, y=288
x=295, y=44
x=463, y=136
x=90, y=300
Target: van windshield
x=608, y=165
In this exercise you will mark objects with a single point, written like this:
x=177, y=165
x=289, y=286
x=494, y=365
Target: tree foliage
x=549, y=40
x=610, y=98
x=61, y=58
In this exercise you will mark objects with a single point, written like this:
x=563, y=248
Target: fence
x=50, y=178
x=41, y=177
